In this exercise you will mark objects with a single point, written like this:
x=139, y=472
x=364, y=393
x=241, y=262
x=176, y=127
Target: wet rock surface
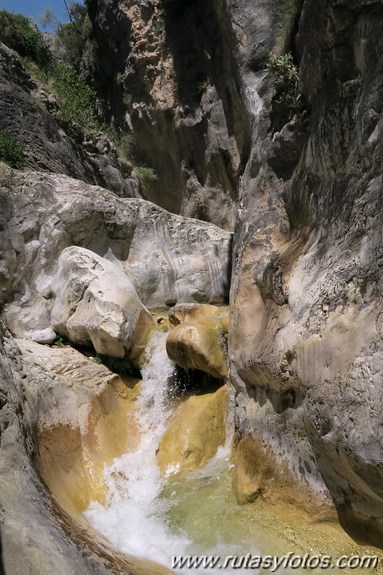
x=196, y=430
x=41, y=387
x=198, y=340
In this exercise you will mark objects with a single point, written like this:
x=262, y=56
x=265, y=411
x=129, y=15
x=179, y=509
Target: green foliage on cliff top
x=17, y=33
x=11, y=151
x=75, y=44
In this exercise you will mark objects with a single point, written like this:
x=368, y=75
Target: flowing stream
x=147, y=516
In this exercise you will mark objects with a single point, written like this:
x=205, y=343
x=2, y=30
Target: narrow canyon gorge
x=191, y=329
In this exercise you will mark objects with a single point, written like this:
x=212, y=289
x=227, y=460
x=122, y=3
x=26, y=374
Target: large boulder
x=191, y=312
x=95, y=302
x=196, y=430
x=199, y=341
x=168, y=258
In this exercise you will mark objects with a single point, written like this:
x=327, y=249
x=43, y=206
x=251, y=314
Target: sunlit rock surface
x=56, y=412
x=95, y=302
x=198, y=339
x=196, y=430
x=180, y=93
x=303, y=192
x=31, y=115
x=168, y=258
x=306, y=302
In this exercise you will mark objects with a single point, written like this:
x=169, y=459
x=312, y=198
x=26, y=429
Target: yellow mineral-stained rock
x=195, y=432
x=195, y=311
x=251, y=471
x=85, y=420
x=197, y=340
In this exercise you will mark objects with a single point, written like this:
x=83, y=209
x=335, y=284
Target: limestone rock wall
x=30, y=114
x=305, y=334
x=171, y=77
x=167, y=258
x=304, y=190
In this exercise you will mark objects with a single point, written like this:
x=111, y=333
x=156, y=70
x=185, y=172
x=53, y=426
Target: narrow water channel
x=196, y=514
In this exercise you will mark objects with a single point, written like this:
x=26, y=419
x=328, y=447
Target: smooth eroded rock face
x=190, y=312
x=96, y=302
x=199, y=345
x=305, y=333
x=195, y=432
x=59, y=408
x=168, y=258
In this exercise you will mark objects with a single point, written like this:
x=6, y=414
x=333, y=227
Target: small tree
x=75, y=40
x=286, y=81
x=17, y=33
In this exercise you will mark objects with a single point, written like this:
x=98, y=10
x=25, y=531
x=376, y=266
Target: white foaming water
x=136, y=518
x=130, y=519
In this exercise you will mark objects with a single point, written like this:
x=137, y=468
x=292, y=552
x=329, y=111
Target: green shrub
x=158, y=21
x=11, y=151
x=286, y=81
x=147, y=176
x=78, y=99
x=125, y=145
x=17, y=33
x=290, y=7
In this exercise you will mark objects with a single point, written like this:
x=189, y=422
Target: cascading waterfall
x=137, y=515
x=130, y=520
x=149, y=516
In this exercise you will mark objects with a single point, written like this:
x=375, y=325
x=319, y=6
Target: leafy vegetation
x=286, y=81
x=11, y=151
x=78, y=99
x=68, y=72
x=126, y=145
x=60, y=341
x=75, y=43
x=17, y=33
x=158, y=21
x=147, y=176
x=290, y=7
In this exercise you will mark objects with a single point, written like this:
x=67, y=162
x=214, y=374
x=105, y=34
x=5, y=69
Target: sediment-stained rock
x=198, y=341
x=196, y=430
x=305, y=335
x=57, y=394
